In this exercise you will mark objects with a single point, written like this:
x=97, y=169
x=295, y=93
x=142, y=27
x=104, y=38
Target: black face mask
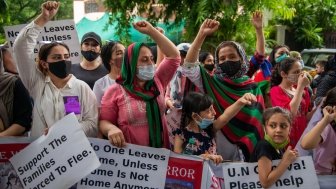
x=90, y=55
x=209, y=67
x=60, y=69
x=230, y=68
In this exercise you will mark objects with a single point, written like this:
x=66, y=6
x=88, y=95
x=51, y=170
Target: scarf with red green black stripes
x=245, y=129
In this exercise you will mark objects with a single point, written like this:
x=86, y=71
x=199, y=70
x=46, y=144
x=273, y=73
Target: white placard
x=57, y=160
x=130, y=167
x=300, y=174
x=61, y=30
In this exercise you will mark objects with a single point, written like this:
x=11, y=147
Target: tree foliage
x=313, y=19
x=23, y=11
x=234, y=16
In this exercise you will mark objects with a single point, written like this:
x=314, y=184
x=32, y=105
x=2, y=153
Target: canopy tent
x=107, y=31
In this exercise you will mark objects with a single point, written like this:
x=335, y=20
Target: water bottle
x=188, y=149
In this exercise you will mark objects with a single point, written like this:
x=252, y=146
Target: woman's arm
x=267, y=176
x=167, y=47
x=295, y=102
x=258, y=25
x=24, y=46
x=313, y=137
x=232, y=110
x=113, y=133
x=208, y=27
x=259, y=56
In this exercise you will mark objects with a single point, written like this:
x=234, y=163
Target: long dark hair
x=194, y=102
x=203, y=56
x=330, y=99
x=106, y=53
x=285, y=65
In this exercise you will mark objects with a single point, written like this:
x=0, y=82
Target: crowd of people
x=232, y=108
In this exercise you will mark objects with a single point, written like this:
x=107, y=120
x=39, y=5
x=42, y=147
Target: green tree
x=234, y=16
x=312, y=20
x=16, y=12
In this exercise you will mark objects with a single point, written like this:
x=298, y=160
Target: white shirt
x=48, y=99
x=100, y=86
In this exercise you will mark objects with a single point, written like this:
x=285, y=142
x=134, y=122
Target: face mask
x=146, y=73
x=281, y=58
x=118, y=62
x=230, y=68
x=275, y=145
x=209, y=67
x=293, y=78
x=302, y=63
x=90, y=55
x=60, y=69
x=205, y=123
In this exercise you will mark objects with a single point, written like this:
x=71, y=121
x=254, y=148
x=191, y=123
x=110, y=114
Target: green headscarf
x=128, y=72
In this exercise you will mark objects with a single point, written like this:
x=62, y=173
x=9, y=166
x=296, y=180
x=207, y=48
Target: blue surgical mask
x=146, y=73
x=205, y=123
x=281, y=58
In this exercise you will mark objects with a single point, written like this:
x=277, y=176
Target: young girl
x=322, y=137
x=277, y=124
x=289, y=91
x=198, y=127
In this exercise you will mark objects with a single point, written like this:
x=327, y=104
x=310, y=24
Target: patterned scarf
x=245, y=129
x=126, y=79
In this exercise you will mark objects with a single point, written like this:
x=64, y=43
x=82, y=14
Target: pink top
x=129, y=113
x=280, y=97
x=325, y=153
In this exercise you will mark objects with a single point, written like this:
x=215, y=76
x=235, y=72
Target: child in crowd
x=322, y=137
x=289, y=91
x=320, y=73
x=198, y=127
x=277, y=124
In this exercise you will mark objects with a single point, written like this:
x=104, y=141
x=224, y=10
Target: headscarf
x=244, y=64
x=126, y=79
x=7, y=83
x=245, y=129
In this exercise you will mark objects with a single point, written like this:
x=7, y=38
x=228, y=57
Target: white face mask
x=146, y=73
x=293, y=78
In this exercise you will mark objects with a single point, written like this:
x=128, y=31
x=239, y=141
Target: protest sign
x=56, y=160
x=214, y=175
x=9, y=147
x=173, y=122
x=63, y=31
x=130, y=167
x=184, y=172
x=300, y=174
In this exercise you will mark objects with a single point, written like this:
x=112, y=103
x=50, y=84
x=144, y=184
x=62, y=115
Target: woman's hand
x=209, y=27
x=49, y=9
x=257, y=20
x=303, y=80
x=116, y=137
x=144, y=27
